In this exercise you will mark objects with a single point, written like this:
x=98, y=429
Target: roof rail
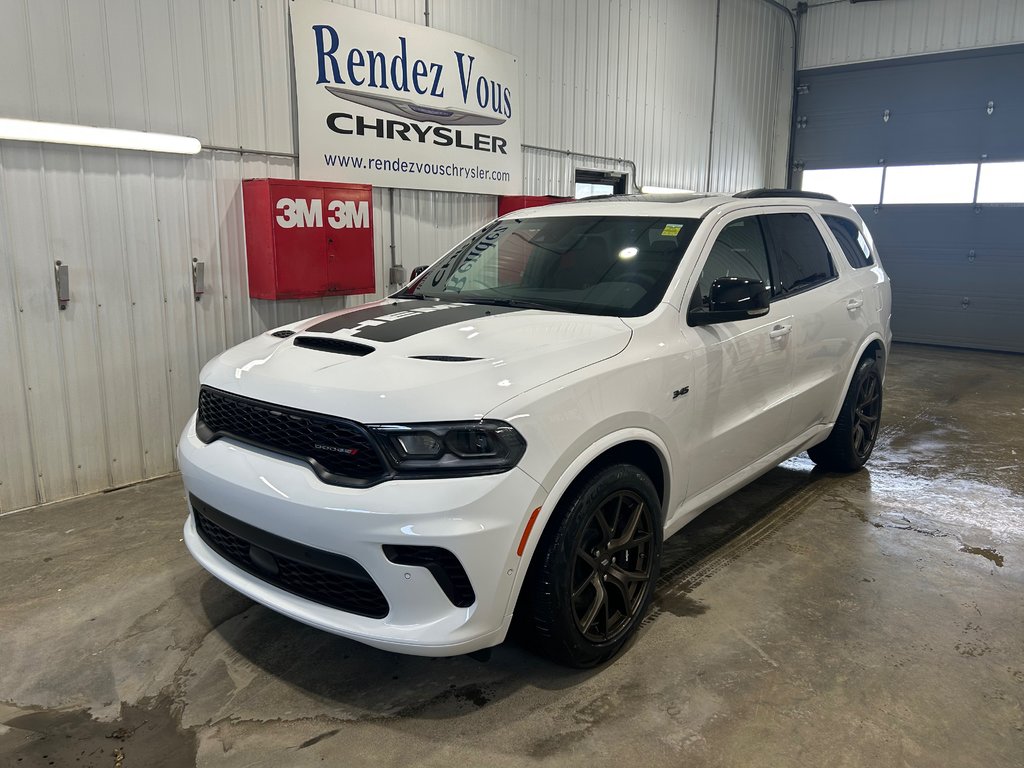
x=783, y=193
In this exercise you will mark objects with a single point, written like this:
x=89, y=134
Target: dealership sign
x=394, y=104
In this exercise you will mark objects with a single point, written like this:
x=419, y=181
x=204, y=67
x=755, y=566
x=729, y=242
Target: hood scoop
x=335, y=346
x=445, y=358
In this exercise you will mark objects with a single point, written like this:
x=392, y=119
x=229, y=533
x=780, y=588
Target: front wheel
x=852, y=439
x=593, y=575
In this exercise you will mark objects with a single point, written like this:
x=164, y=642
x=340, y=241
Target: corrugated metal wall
x=840, y=33
x=95, y=395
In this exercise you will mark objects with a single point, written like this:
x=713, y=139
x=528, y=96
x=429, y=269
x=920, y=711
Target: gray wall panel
x=937, y=110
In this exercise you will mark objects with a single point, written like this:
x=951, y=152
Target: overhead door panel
x=957, y=276
x=957, y=270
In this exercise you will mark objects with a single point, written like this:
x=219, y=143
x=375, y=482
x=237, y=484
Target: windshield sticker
x=671, y=230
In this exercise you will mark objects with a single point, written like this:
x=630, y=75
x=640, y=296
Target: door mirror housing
x=731, y=299
x=417, y=271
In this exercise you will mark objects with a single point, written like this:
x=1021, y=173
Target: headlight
x=455, y=448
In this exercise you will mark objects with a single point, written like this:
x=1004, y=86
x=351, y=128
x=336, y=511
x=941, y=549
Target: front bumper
x=478, y=519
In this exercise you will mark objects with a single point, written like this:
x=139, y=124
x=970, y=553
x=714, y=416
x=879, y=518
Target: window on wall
x=1001, y=183
x=950, y=183
x=591, y=183
x=860, y=186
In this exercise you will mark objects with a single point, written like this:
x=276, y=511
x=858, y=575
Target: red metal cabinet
x=308, y=239
x=509, y=203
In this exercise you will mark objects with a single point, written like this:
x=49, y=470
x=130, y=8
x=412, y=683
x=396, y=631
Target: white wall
x=95, y=396
x=841, y=33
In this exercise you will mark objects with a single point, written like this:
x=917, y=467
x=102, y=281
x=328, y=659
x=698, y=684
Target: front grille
x=323, y=577
x=340, y=451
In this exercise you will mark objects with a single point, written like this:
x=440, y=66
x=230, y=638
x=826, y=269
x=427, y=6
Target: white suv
x=514, y=433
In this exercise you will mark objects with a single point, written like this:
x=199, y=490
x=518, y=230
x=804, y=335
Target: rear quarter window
x=851, y=240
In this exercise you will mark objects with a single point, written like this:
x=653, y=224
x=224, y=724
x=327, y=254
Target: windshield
x=598, y=265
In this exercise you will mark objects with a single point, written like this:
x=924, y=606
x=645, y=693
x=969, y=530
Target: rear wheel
x=593, y=575
x=852, y=439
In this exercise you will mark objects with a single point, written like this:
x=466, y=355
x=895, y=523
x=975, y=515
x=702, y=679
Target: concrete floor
x=811, y=619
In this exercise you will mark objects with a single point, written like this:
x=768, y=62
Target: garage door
x=931, y=150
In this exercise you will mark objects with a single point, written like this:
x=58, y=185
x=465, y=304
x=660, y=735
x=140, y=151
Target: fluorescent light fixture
x=663, y=190
x=90, y=136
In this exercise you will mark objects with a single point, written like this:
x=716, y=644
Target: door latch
x=63, y=285
x=198, y=278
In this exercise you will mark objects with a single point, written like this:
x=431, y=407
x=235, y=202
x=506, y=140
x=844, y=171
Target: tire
x=849, y=445
x=582, y=599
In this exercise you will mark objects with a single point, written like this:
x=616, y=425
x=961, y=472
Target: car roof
x=689, y=205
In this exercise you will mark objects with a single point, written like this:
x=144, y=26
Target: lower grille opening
x=322, y=577
x=443, y=565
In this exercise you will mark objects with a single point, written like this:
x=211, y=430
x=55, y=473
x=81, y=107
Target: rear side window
x=851, y=240
x=738, y=252
x=800, y=252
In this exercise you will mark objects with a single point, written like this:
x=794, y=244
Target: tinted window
x=738, y=251
x=601, y=265
x=851, y=240
x=800, y=252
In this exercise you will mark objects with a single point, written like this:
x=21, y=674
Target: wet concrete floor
x=810, y=619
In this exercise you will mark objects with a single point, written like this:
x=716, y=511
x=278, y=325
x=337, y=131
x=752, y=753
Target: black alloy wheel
x=612, y=572
x=866, y=415
x=852, y=439
x=596, y=565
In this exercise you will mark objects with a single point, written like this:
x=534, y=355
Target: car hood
x=411, y=360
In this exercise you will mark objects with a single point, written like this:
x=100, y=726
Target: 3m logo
x=341, y=214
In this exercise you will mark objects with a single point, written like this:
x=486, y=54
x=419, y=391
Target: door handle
x=779, y=331
x=853, y=304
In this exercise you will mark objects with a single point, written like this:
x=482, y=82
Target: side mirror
x=730, y=299
x=417, y=271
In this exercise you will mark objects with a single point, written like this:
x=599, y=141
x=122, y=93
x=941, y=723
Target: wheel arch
x=636, y=446
x=872, y=346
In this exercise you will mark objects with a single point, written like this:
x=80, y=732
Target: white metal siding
x=840, y=33
x=95, y=396
x=754, y=97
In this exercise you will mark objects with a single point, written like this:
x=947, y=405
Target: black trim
x=350, y=319
x=443, y=565
x=755, y=194
x=333, y=345
x=313, y=574
x=423, y=316
x=438, y=317
x=445, y=358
